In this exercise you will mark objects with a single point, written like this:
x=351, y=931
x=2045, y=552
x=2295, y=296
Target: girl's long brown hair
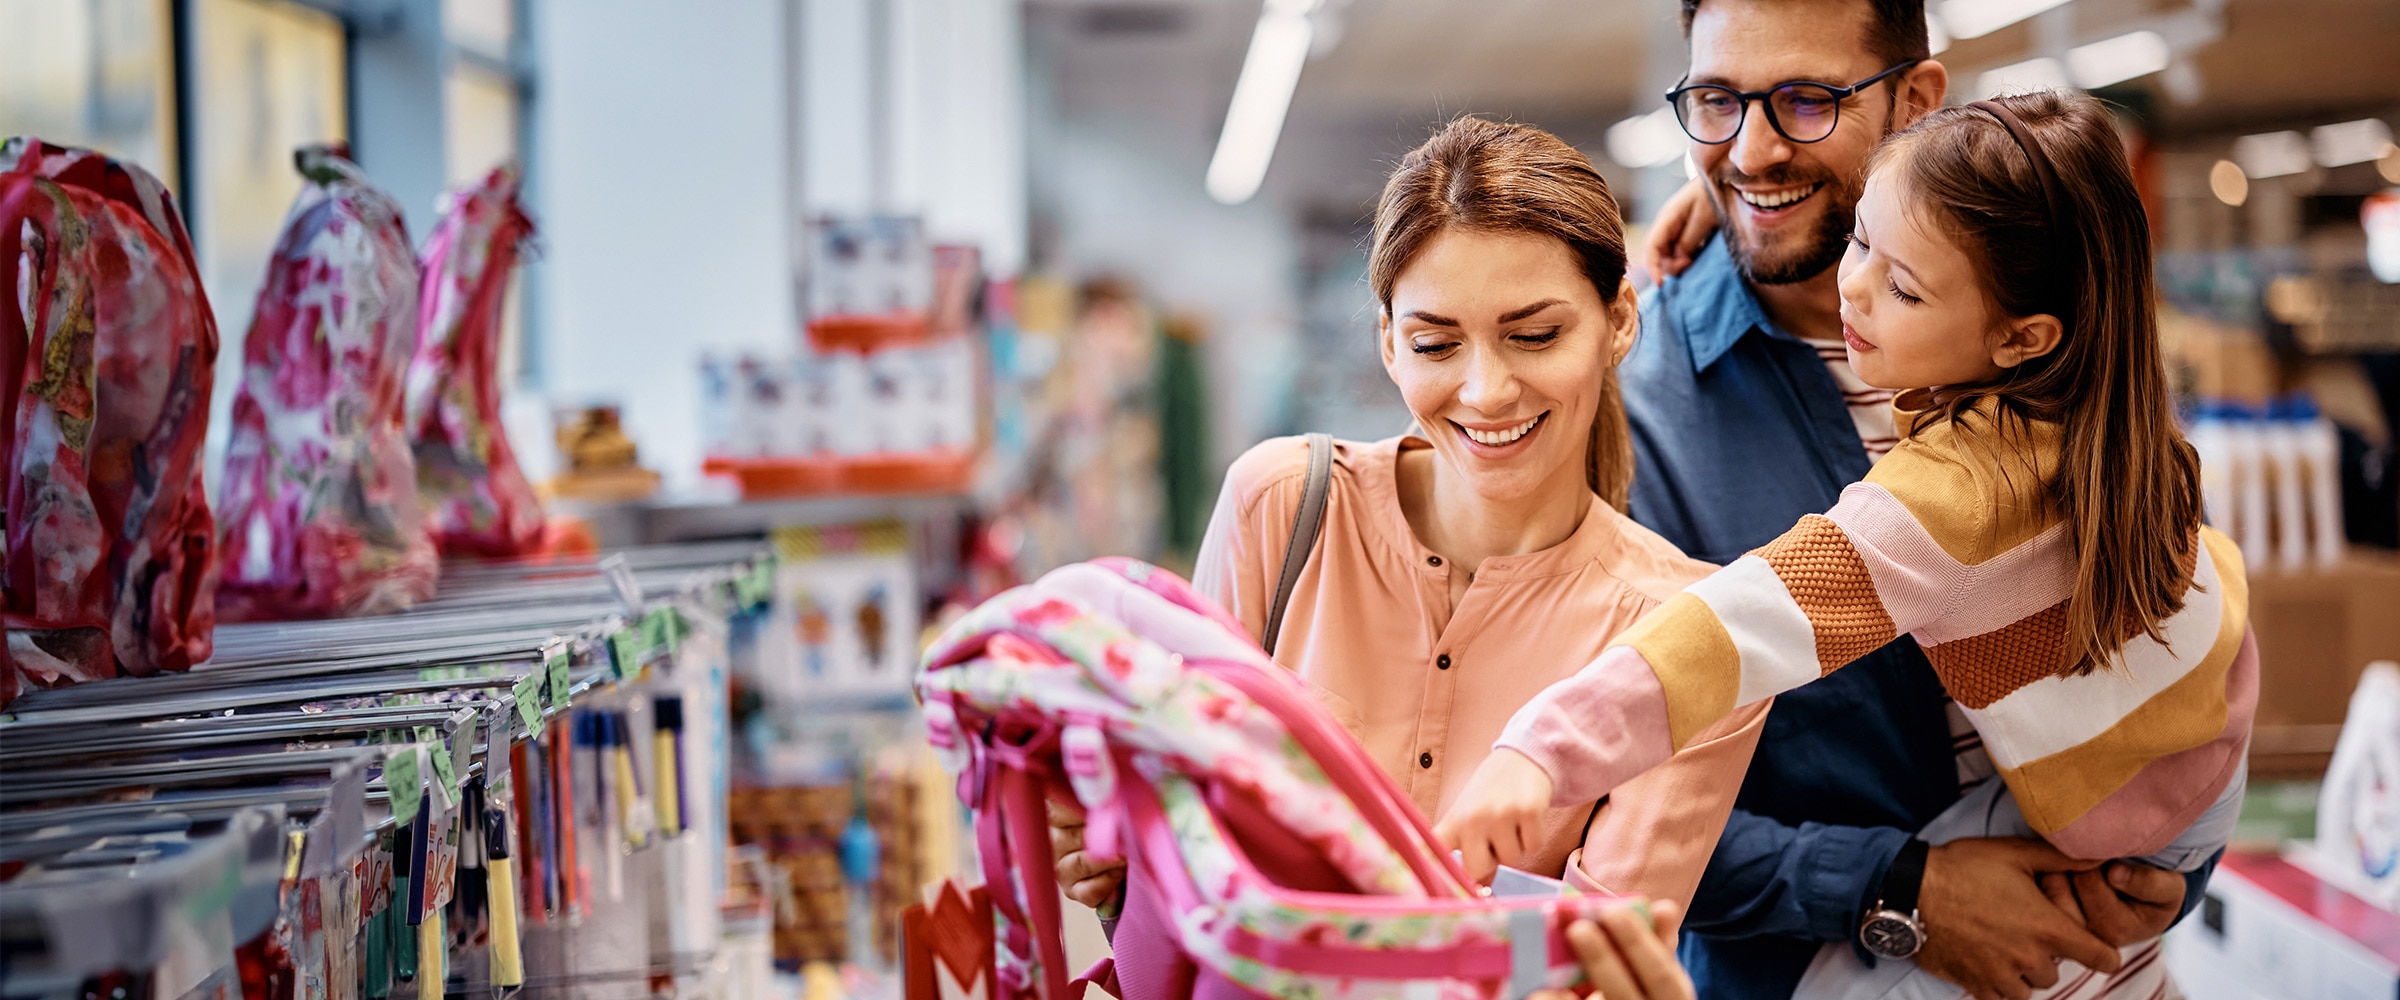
x=1507, y=178
x=2127, y=483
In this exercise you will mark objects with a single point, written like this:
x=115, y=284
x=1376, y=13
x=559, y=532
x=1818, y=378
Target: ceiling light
x=2225, y=180
x=2272, y=154
x=1976, y=18
x=2116, y=60
x=2017, y=78
x=1278, y=49
x=1646, y=140
x=2350, y=142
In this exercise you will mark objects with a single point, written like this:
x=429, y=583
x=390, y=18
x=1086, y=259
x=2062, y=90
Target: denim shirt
x=1738, y=431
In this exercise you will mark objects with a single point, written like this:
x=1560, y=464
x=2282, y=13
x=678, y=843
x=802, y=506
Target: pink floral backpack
x=478, y=500
x=1280, y=859
x=319, y=502
x=107, y=354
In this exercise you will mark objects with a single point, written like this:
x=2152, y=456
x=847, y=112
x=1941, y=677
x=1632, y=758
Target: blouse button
x=1442, y=661
x=1433, y=560
x=1425, y=759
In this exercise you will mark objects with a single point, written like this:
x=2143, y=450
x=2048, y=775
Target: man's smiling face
x=1785, y=206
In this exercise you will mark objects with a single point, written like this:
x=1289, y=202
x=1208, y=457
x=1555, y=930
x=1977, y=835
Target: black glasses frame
x=1840, y=94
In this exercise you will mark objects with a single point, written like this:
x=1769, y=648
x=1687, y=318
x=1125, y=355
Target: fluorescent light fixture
x=2116, y=60
x=2017, y=78
x=2272, y=154
x=1937, y=37
x=1976, y=18
x=1278, y=49
x=2225, y=180
x=2351, y=142
x=1647, y=140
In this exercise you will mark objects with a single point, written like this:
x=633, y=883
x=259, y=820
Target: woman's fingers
x=1611, y=980
x=1097, y=891
x=1651, y=957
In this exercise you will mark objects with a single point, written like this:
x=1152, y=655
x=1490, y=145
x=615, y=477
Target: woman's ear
x=1383, y=336
x=2022, y=340
x=1624, y=321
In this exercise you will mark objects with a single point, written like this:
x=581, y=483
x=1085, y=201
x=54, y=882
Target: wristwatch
x=1890, y=929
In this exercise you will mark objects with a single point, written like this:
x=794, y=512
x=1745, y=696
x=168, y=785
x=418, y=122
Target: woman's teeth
x=1501, y=437
x=1777, y=199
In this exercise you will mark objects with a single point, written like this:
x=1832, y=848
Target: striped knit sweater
x=1937, y=544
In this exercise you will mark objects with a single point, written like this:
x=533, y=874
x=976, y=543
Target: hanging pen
x=508, y=960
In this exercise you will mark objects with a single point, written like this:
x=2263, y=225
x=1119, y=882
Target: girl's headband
x=2052, y=195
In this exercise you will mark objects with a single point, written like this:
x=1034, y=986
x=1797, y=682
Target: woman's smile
x=1499, y=439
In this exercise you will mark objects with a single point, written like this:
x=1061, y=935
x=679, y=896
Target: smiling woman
x=1458, y=572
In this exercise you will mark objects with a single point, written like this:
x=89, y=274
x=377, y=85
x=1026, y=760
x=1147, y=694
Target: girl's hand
x=1498, y=820
x=1682, y=228
x=1087, y=880
x=1627, y=958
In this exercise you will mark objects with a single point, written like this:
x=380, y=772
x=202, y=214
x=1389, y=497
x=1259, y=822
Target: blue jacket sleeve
x=2195, y=885
x=1809, y=881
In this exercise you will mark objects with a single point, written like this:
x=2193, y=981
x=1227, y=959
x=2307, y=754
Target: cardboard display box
x=2316, y=631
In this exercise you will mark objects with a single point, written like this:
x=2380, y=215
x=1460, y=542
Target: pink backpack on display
x=319, y=501
x=1269, y=854
x=107, y=354
x=476, y=497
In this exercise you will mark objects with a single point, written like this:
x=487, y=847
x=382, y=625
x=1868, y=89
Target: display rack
x=546, y=740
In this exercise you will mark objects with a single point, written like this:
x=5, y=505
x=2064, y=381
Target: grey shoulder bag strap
x=1305, y=525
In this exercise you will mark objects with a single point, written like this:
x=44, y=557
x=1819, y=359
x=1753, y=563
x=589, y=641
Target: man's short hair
x=1895, y=29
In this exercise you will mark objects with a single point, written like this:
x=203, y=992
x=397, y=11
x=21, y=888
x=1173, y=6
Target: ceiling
x=1163, y=70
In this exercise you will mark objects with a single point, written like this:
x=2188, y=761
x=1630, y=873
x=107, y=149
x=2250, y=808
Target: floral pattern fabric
x=477, y=499
x=1132, y=654
x=107, y=349
x=319, y=503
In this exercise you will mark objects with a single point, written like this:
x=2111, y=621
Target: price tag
x=754, y=585
x=445, y=770
x=462, y=752
x=554, y=663
x=625, y=652
x=528, y=692
x=407, y=786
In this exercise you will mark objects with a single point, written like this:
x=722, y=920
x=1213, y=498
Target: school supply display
x=319, y=501
x=2271, y=478
x=518, y=785
x=107, y=355
x=1281, y=859
x=476, y=497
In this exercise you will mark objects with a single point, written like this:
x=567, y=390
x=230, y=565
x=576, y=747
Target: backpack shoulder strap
x=1305, y=525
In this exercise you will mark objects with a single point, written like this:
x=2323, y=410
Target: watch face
x=1890, y=935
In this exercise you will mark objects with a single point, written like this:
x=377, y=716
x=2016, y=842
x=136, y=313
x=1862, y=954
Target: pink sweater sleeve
x=1597, y=729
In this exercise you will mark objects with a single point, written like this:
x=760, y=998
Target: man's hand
x=2123, y=903
x=1627, y=957
x=1683, y=226
x=1498, y=819
x=1087, y=880
x=1989, y=926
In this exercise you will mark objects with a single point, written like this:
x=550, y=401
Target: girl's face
x=1498, y=343
x=1914, y=310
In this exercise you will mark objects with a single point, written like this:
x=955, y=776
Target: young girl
x=2037, y=531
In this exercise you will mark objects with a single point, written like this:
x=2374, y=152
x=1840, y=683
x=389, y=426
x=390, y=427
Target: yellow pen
x=620, y=754
x=508, y=958
x=433, y=952
x=668, y=741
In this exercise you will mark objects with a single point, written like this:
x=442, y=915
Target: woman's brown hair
x=1502, y=177
x=2127, y=483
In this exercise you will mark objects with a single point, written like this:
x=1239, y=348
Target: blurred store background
x=935, y=295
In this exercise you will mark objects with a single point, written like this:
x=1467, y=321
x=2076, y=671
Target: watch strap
x=1905, y=876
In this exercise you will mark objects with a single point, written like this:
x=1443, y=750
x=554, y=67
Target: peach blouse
x=1427, y=687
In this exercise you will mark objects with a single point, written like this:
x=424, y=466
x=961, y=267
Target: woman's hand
x=1683, y=226
x=1087, y=880
x=1498, y=819
x=1627, y=957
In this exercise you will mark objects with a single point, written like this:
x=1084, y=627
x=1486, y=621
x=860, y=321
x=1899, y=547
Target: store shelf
x=667, y=521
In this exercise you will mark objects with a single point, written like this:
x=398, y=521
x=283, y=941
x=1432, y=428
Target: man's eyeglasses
x=1800, y=111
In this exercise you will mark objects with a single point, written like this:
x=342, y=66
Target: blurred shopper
x=1460, y=572
x=1745, y=416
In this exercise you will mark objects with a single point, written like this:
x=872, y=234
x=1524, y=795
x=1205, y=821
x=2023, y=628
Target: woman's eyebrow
x=1514, y=315
x=1423, y=316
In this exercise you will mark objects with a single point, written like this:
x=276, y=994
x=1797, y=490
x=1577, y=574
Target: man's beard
x=1808, y=254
